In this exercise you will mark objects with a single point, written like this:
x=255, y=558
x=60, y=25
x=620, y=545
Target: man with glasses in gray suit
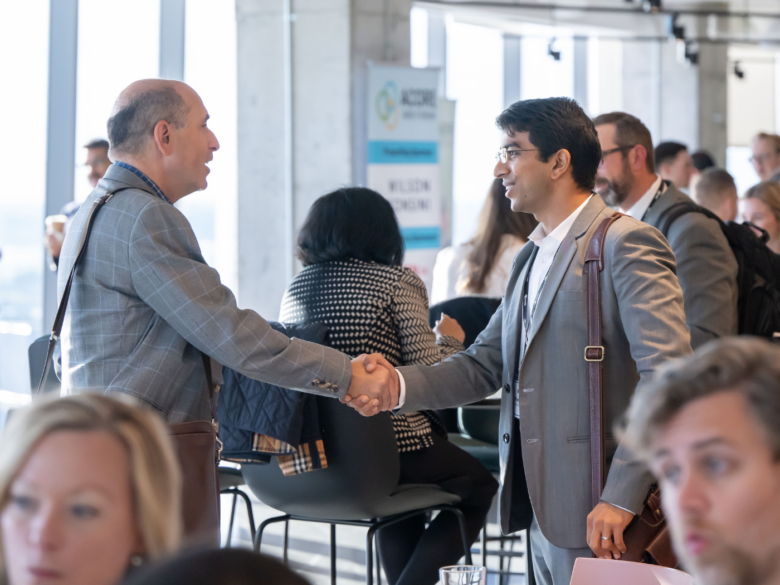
x=533, y=348
x=145, y=305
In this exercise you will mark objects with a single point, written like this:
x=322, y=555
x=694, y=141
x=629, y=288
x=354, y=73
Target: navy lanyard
x=656, y=197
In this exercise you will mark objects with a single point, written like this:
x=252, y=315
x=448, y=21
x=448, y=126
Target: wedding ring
x=606, y=538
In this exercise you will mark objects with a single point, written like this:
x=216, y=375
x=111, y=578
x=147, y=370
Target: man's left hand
x=607, y=521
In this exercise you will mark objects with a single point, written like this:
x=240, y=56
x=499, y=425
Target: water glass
x=463, y=575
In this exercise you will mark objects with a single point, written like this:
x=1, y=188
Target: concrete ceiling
x=591, y=17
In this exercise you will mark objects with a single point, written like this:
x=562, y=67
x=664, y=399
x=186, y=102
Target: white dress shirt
x=639, y=208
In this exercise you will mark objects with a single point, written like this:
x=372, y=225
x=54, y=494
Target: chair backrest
x=36, y=356
x=604, y=572
x=363, y=469
x=472, y=313
x=481, y=424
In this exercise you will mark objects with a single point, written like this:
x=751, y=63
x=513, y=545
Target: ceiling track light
x=651, y=6
x=556, y=55
x=738, y=71
x=674, y=30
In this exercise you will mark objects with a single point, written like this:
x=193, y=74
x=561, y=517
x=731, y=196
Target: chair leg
x=249, y=512
x=261, y=529
x=285, y=560
x=530, y=577
x=370, y=556
x=378, y=568
x=463, y=534
x=484, y=545
x=232, y=518
x=333, y=554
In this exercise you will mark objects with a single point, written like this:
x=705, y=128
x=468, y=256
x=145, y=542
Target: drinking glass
x=463, y=575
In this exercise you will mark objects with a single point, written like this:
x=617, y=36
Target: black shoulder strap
x=56, y=329
x=676, y=211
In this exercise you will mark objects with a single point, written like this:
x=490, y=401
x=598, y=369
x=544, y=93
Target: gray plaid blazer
x=144, y=304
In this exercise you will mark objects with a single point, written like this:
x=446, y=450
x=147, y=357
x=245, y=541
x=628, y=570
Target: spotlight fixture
x=651, y=6
x=738, y=71
x=674, y=30
x=691, y=53
x=552, y=52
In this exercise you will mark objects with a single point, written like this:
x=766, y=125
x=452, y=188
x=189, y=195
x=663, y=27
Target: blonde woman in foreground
x=89, y=488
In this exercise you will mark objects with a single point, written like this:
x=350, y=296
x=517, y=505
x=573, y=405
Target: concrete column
x=581, y=71
x=331, y=43
x=61, y=130
x=172, y=22
x=512, y=48
x=677, y=100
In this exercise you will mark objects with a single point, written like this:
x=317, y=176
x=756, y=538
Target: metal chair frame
x=236, y=493
x=372, y=525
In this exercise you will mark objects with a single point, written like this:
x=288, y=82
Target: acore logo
x=387, y=105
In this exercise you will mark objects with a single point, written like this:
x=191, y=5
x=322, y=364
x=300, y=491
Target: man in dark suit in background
x=706, y=266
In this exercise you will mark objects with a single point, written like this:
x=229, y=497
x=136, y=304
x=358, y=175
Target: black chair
x=36, y=355
x=230, y=482
x=358, y=488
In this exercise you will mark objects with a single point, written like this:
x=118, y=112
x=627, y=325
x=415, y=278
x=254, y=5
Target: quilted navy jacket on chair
x=247, y=406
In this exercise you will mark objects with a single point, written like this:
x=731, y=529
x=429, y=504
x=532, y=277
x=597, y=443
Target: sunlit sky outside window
x=24, y=43
x=109, y=59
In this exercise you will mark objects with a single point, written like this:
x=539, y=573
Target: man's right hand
x=373, y=388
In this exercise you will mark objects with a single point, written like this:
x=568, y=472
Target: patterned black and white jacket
x=374, y=308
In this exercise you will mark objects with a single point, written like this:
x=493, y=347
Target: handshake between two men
x=375, y=385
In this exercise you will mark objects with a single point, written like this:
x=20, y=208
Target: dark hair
x=747, y=365
x=97, y=143
x=554, y=124
x=495, y=220
x=133, y=124
x=226, y=566
x=629, y=131
x=351, y=222
x=666, y=152
x=702, y=160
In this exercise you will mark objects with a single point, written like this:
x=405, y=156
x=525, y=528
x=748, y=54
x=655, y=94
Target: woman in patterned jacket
x=353, y=281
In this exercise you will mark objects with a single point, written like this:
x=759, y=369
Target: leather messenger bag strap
x=594, y=355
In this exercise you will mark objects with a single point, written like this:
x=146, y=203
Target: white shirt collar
x=538, y=235
x=639, y=208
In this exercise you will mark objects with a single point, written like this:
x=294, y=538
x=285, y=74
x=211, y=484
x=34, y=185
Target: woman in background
x=89, y=488
x=761, y=207
x=481, y=266
x=353, y=282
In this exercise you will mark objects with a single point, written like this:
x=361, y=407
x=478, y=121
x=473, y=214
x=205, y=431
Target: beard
x=615, y=191
x=725, y=564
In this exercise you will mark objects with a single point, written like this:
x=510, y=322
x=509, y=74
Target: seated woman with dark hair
x=353, y=282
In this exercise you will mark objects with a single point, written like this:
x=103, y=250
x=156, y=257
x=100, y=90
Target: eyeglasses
x=504, y=154
x=760, y=158
x=605, y=153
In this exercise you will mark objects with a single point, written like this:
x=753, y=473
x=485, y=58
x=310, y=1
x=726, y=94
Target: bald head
x=140, y=107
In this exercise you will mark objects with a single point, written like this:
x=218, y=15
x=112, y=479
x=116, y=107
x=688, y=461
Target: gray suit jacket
x=643, y=325
x=144, y=304
x=706, y=267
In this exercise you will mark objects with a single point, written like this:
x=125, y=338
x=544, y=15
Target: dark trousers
x=412, y=554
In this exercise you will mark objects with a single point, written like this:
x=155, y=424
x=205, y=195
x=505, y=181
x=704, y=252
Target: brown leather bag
x=647, y=538
x=196, y=442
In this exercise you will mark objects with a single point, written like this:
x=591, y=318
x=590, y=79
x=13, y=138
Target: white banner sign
x=403, y=157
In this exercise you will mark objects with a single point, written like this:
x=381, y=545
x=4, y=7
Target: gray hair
x=747, y=365
x=133, y=124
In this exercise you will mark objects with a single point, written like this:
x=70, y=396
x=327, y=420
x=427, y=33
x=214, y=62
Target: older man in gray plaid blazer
x=144, y=304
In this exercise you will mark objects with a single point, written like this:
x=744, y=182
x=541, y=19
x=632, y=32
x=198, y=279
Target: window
x=24, y=40
x=211, y=68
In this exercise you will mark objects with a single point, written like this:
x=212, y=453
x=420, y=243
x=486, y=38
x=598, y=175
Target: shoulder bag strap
x=594, y=355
